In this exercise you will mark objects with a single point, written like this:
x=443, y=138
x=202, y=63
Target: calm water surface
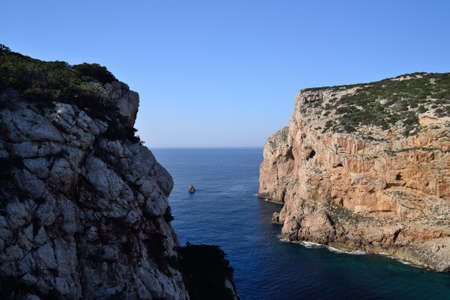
x=226, y=212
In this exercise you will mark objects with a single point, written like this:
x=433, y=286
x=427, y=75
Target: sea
x=226, y=211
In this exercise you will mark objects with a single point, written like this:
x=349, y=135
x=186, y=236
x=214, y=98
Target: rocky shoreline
x=355, y=183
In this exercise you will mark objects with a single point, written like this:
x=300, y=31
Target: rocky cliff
x=84, y=208
x=367, y=167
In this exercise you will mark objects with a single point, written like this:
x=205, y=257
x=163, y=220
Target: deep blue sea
x=225, y=211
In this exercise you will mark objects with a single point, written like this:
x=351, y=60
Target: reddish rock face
x=387, y=193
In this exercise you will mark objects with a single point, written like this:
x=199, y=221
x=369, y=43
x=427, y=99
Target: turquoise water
x=226, y=212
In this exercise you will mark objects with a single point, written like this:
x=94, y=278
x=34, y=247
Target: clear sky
x=225, y=73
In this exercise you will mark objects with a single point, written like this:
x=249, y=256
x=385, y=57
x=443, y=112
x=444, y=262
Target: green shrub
x=440, y=112
x=403, y=100
x=4, y=49
x=56, y=81
x=96, y=72
x=421, y=109
x=45, y=82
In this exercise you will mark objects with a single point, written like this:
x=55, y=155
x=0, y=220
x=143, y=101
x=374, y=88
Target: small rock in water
x=191, y=189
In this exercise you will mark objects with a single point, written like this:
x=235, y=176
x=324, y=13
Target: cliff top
x=394, y=102
x=51, y=80
x=89, y=86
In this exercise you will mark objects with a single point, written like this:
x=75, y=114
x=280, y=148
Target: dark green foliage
x=4, y=49
x=440, y=112
x=328, y=125
x=96, y=72
x=53, y=81
x=421, y=109
x=43, y=82
x=205, y=270
x=402, y=101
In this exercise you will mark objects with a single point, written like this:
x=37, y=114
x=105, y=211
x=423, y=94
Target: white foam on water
x=340, y=251
x=305, y=244
x=282, y=239
x=311, y=244
x=399, y=260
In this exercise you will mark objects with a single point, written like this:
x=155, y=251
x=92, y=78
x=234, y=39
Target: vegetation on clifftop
x=44, y=82
x=280, y=137
x=54, y=81
x=388, y=102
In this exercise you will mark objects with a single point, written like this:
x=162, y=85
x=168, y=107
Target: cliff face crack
x=289, y=154
x=396, y=234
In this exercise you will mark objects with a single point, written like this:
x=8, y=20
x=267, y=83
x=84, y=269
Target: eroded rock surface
x=83, y=204
x=83, y=214
x=380, y=185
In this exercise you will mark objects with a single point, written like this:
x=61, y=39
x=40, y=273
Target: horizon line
x=205, y=147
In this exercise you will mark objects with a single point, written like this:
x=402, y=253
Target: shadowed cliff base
x=208, y=275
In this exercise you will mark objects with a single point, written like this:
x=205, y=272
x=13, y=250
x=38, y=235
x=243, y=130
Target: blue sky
x=225, y=73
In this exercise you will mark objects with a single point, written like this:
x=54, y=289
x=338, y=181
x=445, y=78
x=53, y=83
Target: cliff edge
x=84, y=208
x=367, y=167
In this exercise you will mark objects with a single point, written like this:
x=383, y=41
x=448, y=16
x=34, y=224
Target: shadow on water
x=225, y=211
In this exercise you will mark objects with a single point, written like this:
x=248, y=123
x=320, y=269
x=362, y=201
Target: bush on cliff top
x=4, y=49
x=96, y=72
x=43, y=81
x=386, y=102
